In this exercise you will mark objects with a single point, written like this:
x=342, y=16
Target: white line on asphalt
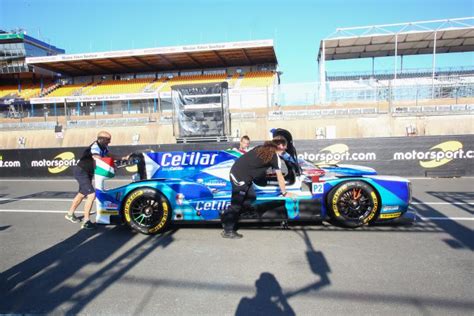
x=35, y=211
x=32, y=199
x=69, y=199
x=420, y=217
x=445, y=218
x=442, y=203
x=58, y=180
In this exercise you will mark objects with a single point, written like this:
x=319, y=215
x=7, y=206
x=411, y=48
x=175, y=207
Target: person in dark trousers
x=83, y=173
x=249, y=167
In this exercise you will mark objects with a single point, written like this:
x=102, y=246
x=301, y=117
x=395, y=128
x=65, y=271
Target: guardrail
x=433, y=109
x=127, y=121
x=27, y=125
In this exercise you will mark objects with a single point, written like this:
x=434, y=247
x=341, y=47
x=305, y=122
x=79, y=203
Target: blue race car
x=194, y=186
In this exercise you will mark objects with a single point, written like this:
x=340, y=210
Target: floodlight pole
x=373, y=67
x=396, y=53
x=433, y=66
x=322, y=73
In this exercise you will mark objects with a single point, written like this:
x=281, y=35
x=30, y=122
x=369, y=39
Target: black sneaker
x=72, y=218
x=231, y=234
x=88, y=225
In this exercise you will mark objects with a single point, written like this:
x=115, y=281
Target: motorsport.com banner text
x=421, y=156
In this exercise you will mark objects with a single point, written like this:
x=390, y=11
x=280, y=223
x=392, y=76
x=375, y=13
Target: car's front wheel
x=147, y=211
x=353, y=203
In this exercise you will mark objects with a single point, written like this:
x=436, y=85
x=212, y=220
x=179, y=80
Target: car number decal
x=318, y=188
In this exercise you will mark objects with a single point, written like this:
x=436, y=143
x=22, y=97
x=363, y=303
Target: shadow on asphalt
x=462, y=235
x=318, y=264
x=47, y=280
x=269, y=298
x=310, y=226
x=42, y=195
x=456, y=197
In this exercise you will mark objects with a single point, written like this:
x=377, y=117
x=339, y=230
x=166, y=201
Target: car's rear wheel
x=353, y=203
x=147, y=211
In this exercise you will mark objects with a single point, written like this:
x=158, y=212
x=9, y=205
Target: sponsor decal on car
x=214, y=183
x=390, y=215
x=212, y=205
x=109, y=212
x=110, y=205
x=317, y=188
x=389, y=208
x=187, y=159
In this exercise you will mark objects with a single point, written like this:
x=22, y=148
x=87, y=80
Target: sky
x=296, y=26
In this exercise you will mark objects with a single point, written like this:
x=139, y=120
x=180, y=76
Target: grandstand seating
x=194, y=79
x=28, y=90
x=251, y=79
x=155, y=85
x=67, y=90
x=234, y=81
x=258, y=79
x=7, y=90
x=119, y=86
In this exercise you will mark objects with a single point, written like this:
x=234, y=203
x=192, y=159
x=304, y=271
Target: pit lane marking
x=70, y=199
x=442, y=203
x=438, y=218
x=36, y=211
x=33, y=199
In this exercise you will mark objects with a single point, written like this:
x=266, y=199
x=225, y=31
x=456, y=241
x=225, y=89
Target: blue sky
x=296, y=26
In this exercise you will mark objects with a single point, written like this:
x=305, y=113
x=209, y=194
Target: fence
x=381, y=94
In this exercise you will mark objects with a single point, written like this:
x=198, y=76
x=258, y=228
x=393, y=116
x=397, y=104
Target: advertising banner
x=422, y=156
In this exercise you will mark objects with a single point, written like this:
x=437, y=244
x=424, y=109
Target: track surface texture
x=49, y=265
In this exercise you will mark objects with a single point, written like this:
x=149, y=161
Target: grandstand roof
x=173, y=58
x=415, y=38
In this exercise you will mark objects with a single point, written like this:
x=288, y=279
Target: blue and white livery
x=194, y=186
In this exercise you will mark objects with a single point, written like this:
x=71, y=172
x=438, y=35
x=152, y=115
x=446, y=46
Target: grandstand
x=133, y=88
x=397, y=40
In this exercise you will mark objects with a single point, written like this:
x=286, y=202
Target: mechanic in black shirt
x=84, y=172
x=249, y=167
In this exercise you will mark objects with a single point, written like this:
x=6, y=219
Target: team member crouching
x=249, y=167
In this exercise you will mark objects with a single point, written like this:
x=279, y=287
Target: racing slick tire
x=147, y=211
x=353, y=204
